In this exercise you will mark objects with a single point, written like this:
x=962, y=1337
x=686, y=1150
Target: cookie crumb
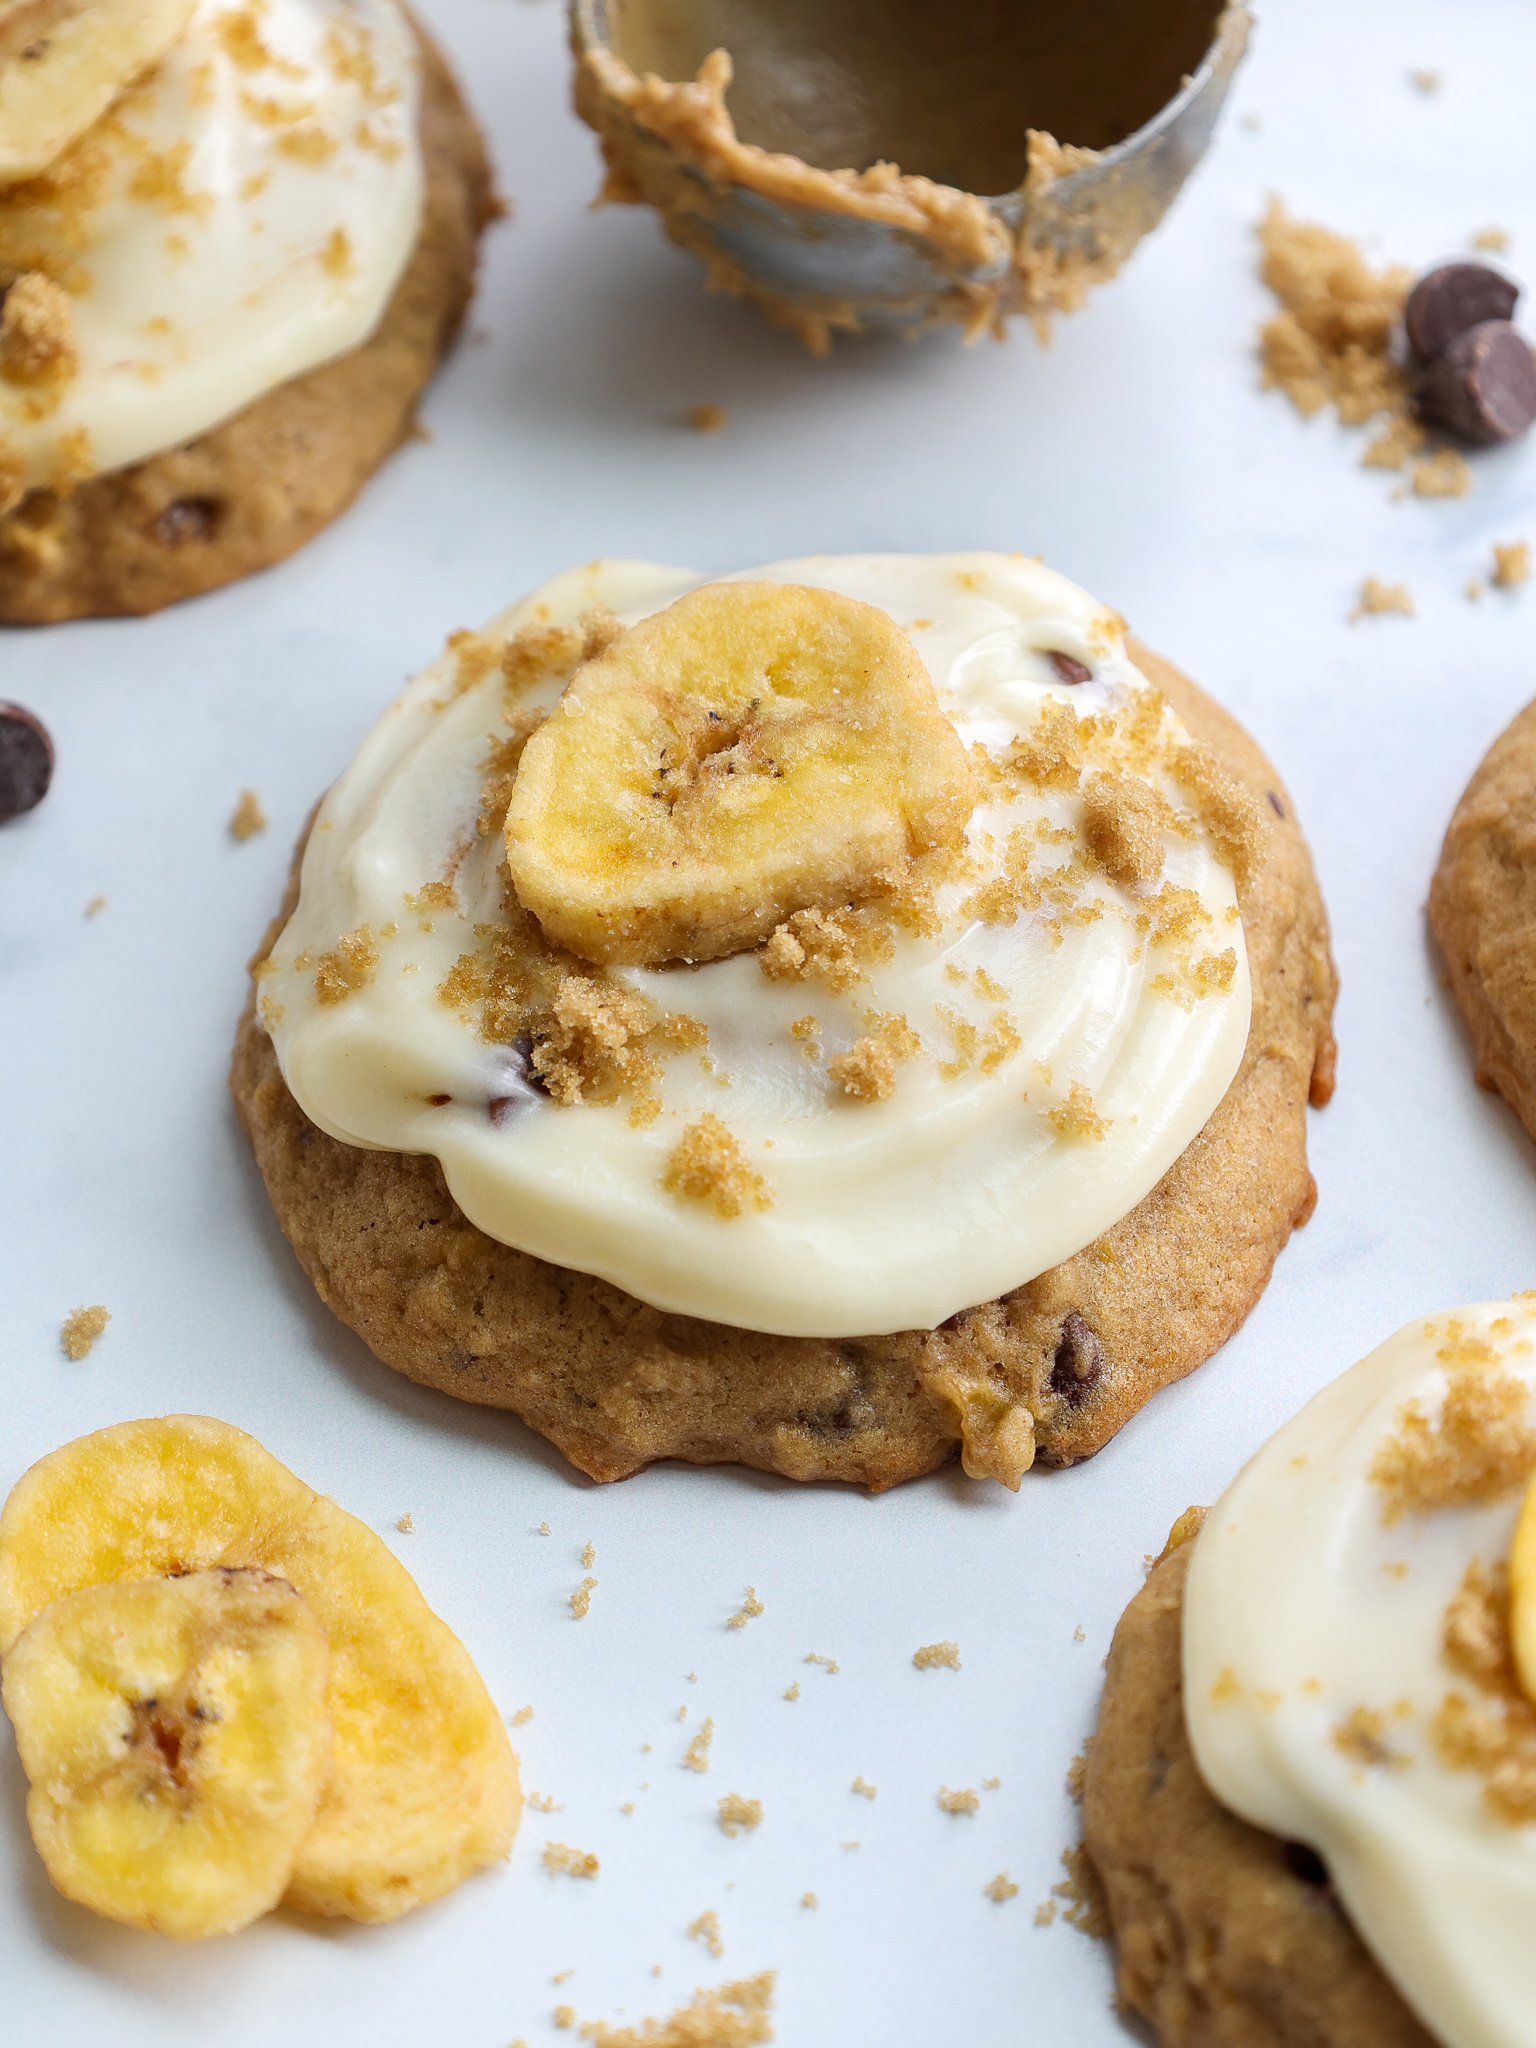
x=1000, y=1889
x=82, y=1326
x=542, y=1803
x=958, y=1802
x=792, y=1692
x=1427, y=81
x=1083, y=1893
x=707, y=419
x=848, y=1845
x=734, y=2016
x=829, y=1664
x=737, y=1813
x=864, y=1791
x=96, y=906
x=248, y=818
x=809, y=1899
x=543, y=1529
x=707, y=1165
x=749, y=1608
x=696, y=1755
x=628, y=1806
x=405, y=1524
x=1079, y=1634
x=1077, y=1772
x=1377, y=597
x=1045, y=1912
x=37, y=331
x=707, y=1929
x=1491, y=238
x=581, y=1599
x=522, y=1717
x=563, y=1861
x=1511, y=564
x=1077, y=1117
x=589, y=1557
x=933, y=1656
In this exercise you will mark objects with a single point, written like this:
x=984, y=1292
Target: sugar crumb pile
x=737, y=1813
x=935, y=1656
x=82, y=1326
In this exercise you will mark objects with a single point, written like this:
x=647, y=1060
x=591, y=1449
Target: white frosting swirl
x=1308, y=1608
x=884, y=1215
x=240, y=215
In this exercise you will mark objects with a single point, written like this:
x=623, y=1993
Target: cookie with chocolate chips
x=1044, y=1374
x=250, y=491
x=1228, y=1937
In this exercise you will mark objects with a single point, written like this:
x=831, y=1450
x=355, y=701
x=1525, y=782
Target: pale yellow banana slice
x=755, y=749
x=424, y=1787
x=175, y=1737
x=63, y=63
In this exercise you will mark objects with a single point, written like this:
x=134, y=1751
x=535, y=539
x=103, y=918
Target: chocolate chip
x=1068, y=667
x=1483, y=385
x=437, y=1101
x=188, y=519
x=1078, y=1362
x=26, y=761
x=1447, y=301
x=1305, y=1863
x=1275, y=804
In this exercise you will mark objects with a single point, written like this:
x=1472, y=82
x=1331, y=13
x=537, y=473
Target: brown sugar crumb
x=1229, y=812
x=1330, y=343
x=503, y=758
x=807, y=1030
x=37, y=331
x=958, y=1802
x=82, y=1326
x=737, y=1813
x=696, y=1755
x=1491, y=238
x=406, y=1524
x=812, y=942
x=1123, y=823
x=749, y=1609
x=707, y=1929
x=1051, y=757
x=1077, y=1772
x=589, y=1557
x=1083, y=1894
x=864, y=1791
x=937, y=1656
x=1480, y=1449
x=1496, y=1735
x=1424, y=80
x=522, y=1717
x=249, y=818
x=581, y=1599
x=1077, y=1117
x=563, y=1861
x=1442, y=475
x=829, y=1664
x=351, y=966
x=707, y=419
x=809, y=1899
x=542, y=1803
x=1360, y=1739
x=866, y=1072
x=734, y=2016
x=1511, y=564
x=1401, y=438
x=96, y=906
x=544, y=1530
x=336, y=261
x=991, y=1784
x=1377, y=597
x=564, y=2016
x=707, y=1165
x=999, y=1889
x=792, y=1692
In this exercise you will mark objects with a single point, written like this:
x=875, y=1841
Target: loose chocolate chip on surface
x=188, y=519
x=1069, y=668
x=1078, y=1362
x=26, y=761
x=1447, y=301
x=1305, y=1863
x=1484, y=385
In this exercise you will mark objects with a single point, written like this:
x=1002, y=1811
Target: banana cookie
x=1482, y=909
x=829, y=1019
x=1311, y=1798
x=234, y=243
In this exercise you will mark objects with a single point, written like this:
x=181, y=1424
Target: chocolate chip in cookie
x=26, y=761
x=1078, y=1362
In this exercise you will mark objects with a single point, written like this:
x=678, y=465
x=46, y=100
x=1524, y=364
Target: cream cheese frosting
x=1058, y=1036
x=1342, y=1669
x=239, y=215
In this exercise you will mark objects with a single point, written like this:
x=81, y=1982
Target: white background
x=1138, y=455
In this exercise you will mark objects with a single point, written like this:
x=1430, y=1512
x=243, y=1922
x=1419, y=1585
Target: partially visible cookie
x=1482, y=909
x=1227, y=1936
x=252, y=490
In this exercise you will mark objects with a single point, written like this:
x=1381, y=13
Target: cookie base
x=1047, y=1373
x=252, y=490
x=1221, y=1943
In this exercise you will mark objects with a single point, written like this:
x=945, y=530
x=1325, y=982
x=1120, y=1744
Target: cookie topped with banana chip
x=810, y=1002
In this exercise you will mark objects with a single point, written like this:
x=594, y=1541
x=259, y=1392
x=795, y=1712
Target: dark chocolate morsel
x=1483, y=385
x=1078, y=1362
x=1305, y=1863
x=188, y=519
x=1069, y=668
x=1447, y=301
x=26, y=761
x=1275, y=804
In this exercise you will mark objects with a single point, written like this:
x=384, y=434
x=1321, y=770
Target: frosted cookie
x=829, y=1019
x=223, y=294
x=1482, y=909
x=1311, y=1799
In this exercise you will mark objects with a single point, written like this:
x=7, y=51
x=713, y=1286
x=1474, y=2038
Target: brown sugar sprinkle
x=1444, y=474
x=707, y=1929
x=707, y=419
x=1360, y=1739
x=999, y=1889
x=958, y=1802
x=406, y=1523
x=1082, y=1894
x=522, y=1717
x=581, y=1599
x=37, y=331
x=707, y=1165
x=1331, y=342
x=806, y=1031
x=1491, y=238
x=829, y=1664
x=749, y=1609
x=792, y=1692
x=563, y=1861
x=937, y=1656
x=1479, y=1449
x=242, y=43
x=542, y=1803
x=1124, y=819
x=249, y=818
x=502, y=760
x=1511, y=564
x=864, y=1791
x=737, y=1813
x=733, y=2016
x=696, y=1755
x=1077, y=1117
x=1495, y=1735
x=589, y=1557
x=1077, y=1771
x=351, y=966
x=866, y=1072
x=82, y=1326
x=433, y=896
x=1229, y=813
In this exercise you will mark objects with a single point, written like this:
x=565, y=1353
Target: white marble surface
x=1137, y=455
